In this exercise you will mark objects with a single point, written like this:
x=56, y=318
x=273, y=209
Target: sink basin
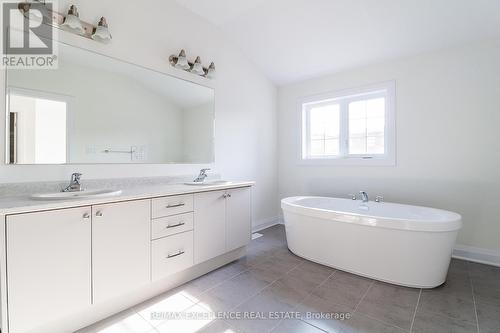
x=76, y=195
x=209, y=183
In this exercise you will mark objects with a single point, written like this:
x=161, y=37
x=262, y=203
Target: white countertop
x=24, y=204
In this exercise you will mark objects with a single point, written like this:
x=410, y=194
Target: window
x=350, y=127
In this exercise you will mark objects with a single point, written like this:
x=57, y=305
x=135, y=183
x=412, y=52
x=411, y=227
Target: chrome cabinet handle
x=175, y=225
x=175, y=254
x=99, y=213
x=226, y=195
x=178, y=205
x=86, y=216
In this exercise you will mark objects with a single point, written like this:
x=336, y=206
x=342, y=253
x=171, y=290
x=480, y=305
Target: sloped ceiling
x=292, y=40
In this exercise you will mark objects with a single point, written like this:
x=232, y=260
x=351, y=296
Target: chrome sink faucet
x=74, y=185
x=201, y=177
x=364, y=196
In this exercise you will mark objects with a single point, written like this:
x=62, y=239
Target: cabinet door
x=209, y=225
x=48, y=266
x=238, y=218
x=120, y=248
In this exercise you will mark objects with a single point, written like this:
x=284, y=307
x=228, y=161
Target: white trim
x=477, y=254
x=266, y=223
x=388, y=89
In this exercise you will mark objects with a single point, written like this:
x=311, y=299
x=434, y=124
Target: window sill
x=353, y=161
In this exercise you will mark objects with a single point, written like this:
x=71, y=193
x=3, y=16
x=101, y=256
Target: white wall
x=448, y=152
x=146, y=34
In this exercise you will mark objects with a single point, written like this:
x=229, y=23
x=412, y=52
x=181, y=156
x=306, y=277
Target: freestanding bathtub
x=400, y=244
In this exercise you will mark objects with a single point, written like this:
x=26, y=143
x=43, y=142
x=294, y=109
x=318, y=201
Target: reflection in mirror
x=37, y=128
x=96, y=109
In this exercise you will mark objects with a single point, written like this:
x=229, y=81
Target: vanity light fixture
x=33, y=15
x=210, y=71
x=180, y=61
x=72, y=21
x=101, y=33
x=195, y=67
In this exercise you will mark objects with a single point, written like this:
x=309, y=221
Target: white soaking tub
x=400, y=244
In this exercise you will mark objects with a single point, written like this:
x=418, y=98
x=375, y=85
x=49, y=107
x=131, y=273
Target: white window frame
x=343, y=98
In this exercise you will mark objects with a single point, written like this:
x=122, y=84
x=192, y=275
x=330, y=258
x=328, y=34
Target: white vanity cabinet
x=222, y=222
x=49, y=270
x=238, y=218
x=120, y=248
x=65, y=266
x=209, y=225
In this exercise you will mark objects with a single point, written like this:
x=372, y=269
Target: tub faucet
x=201, y=177
x=74, y=185
x=364, y=196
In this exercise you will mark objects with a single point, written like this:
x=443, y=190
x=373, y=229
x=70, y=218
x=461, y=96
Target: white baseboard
x=266, y=223
x=477, y=254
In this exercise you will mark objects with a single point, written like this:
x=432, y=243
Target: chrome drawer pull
x=176, y=254
x=175, y=225
x=178, y=205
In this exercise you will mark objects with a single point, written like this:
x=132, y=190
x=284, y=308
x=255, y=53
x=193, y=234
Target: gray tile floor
x=287, y=294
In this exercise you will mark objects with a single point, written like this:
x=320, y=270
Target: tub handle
x=379, y=198
x=352, y=196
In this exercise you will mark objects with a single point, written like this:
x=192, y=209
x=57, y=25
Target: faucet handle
x=379, y=198
x=352, y=196
x=204, y=171
x=76, y=176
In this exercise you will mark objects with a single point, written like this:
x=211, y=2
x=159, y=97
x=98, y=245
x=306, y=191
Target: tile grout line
x=363, y=297
x=226, y=279
x=318, y=286
x=384, y=322
x=309, y=294
x=415, y=312
x=260, y=291
x=473, y=297
x=368, y=316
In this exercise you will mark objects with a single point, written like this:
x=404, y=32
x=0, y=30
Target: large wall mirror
x=97, y=109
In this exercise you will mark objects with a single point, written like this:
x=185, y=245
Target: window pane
x=367, y=126
x=324, y=130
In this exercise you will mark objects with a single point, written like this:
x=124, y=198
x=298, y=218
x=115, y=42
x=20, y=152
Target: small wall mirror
x=97, y=109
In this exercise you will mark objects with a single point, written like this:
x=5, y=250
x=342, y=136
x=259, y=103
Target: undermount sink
x=76, y=195
x=209, y=183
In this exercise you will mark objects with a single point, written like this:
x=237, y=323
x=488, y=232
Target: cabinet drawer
x=167, y=206
x=171, y=254
x=170, y=225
